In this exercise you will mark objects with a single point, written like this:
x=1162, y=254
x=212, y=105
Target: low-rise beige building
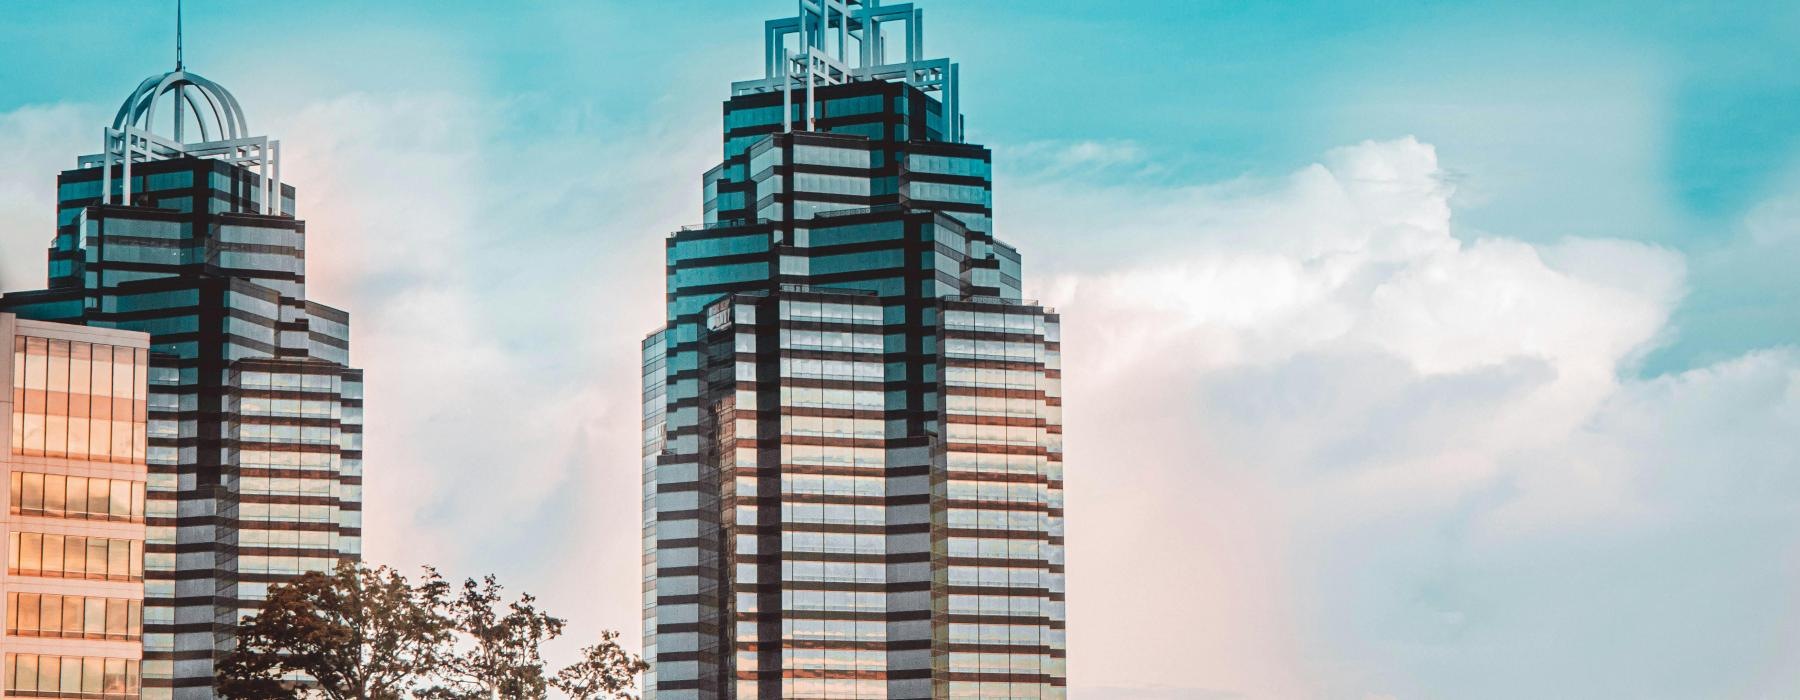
x=72, y=447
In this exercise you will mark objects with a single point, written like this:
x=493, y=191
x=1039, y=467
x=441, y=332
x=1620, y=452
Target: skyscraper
x=180, y=227
x=72, y=413
x=852, y=429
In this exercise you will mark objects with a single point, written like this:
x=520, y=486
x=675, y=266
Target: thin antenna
x=177, y=35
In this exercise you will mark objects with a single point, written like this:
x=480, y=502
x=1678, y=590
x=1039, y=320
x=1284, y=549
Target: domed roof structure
x=212, y=107
x=140, y=134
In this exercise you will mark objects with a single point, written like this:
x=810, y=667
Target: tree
x=605, y=672
x=362, y=633
x=497, y=651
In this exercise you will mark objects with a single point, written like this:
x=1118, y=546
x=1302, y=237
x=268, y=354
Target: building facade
x=180, y=228
x=74, y=440
x=852, y=419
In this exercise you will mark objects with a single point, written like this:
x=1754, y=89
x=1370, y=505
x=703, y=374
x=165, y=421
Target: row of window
x=1003, y=690
x=997, y=548
x=156, y=182
x=290, y=408
x=1005, y=577
x=948, y=165
x=997, y=378
x=993, y=349
x=821, y=601
x=839, y=341
x=1002, y=435
x=820, y=688
x=809, y=154
x=815, y=397
x=717, y=247
x=251, y=513
x=832, y=456
x=993, y=405
x=990, y=519
x=845, y=370
x=846, y=234
x=257, y=564
x=74, y=556
x=802, y=542
x=991, y=463
x=35, y=675
x=91, y=498
x=821, y=572
x=1024, y=635
x=874, y=630
x=833, y=513
x=859, y=428
x=996, y=321
x=941, y=192
x=685, y=277
x=832, y=485
x=961, y=604
x=289, y=381
x=286, y=459
x=1014, y=492
x=305, y=435
x=78, y=617
x=78, y=400
x=250, y=536
x=286, y=486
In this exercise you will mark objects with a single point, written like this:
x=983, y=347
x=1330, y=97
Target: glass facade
x=75, y=401
x=251, y=417
x=852, y=420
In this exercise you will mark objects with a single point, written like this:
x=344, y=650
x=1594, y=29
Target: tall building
x=72, y=444
x=181, y=228
x=852, y=432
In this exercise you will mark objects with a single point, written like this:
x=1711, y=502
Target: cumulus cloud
x=1364, y=456
x=39, y=141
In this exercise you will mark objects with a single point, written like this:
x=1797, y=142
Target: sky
x=1412, y=350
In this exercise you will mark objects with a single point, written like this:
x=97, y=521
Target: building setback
x=181, y=228
x=73, y=446
x=852, y=430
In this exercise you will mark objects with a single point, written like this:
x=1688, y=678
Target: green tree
x=605, y=672
x=497, y=650
x=362, y=633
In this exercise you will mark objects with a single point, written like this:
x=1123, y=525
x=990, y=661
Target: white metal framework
x=838, y=41
x=134, y=138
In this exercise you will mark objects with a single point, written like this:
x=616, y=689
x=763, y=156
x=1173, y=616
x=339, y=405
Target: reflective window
x=78, y=400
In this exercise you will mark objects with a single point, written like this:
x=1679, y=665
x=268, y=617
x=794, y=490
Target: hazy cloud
x=1318, y=446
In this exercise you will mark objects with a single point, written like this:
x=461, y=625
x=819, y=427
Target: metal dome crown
x=214, y=109
x=133, y=137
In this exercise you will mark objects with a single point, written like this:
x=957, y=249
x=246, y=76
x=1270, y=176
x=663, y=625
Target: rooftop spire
x=177, y=35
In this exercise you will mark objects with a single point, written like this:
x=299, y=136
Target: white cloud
x=39, y=141
x=1362, y=456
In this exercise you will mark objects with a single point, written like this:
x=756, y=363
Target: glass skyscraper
x=852, y=421
x=181, y=228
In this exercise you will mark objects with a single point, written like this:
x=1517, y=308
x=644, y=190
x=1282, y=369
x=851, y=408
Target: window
x=940, y=192
x=826, y=155
x=71, y=676
x=947, y=165
x=74, y=556
x=91, y=498
x=79, y=400
x=73, y=617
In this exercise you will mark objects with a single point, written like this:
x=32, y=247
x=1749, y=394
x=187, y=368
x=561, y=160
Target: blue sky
x=1477, y=320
